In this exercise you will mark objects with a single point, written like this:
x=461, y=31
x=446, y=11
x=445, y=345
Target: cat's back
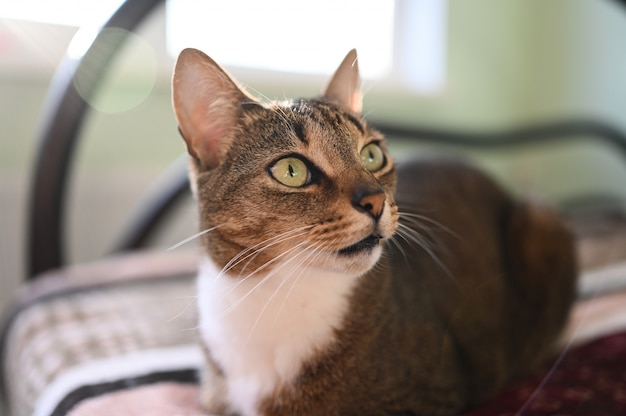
x=444, y=186
x=497, y=274
x=451, y=219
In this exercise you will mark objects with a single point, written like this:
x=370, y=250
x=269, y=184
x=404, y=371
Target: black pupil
x=291, y=172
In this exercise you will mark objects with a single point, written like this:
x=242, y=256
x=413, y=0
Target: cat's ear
x=344, y=87
x=207, y=104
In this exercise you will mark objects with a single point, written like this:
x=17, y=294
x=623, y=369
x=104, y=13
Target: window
x=60, y=12
x=400, y=41
x=285, y=35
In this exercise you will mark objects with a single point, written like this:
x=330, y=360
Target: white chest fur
x=260, y=330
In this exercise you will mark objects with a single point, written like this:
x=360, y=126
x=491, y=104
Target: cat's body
x=300, y=314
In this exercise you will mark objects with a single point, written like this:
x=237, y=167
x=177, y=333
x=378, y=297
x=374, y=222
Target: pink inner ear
x=206, y=104
x=344, y=85
x=356, y=102
x=210, y=144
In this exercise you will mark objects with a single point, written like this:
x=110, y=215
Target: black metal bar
x=523, y=136
x=621, y=2
x=62, y=119
x=66, y=110
x=165, y=194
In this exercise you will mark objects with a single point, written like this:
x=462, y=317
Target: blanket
x=119, y=338
x=587, y=377
x=587, y=380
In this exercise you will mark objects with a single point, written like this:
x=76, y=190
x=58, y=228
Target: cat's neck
x=260, y=330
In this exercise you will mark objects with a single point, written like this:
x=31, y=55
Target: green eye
x=291, y=171
x=373, y=157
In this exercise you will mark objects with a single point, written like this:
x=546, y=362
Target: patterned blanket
x=118, y=337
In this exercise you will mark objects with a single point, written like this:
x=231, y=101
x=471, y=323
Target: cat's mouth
x=367, y=244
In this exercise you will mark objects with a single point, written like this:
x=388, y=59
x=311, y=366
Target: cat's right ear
x=207, y=104
x=344, y=87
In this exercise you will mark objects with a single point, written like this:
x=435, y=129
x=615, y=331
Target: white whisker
x=430, y=233
x=263, y=280
x=412, y=236
x=194, y=300
x=285, y=278
x=281, y=238
x=252, y=251
x=399, y=247
x=191, y=238
x=312, y=254
x=252, y=256
x=416, y=219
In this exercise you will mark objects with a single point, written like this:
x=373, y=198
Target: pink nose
x=373, y=204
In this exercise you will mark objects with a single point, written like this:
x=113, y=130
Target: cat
x=335, y=282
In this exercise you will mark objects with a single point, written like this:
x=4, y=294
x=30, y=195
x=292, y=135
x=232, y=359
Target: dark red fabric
x=586, y=380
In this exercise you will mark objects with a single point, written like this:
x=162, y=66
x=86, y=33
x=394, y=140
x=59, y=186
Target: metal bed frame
x=65, y=110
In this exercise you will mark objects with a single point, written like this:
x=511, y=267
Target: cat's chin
x=359, y=258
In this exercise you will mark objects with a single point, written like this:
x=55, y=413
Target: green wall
x=510, y=62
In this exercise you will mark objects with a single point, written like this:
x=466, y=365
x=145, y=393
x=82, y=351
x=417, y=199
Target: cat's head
x=304, y=183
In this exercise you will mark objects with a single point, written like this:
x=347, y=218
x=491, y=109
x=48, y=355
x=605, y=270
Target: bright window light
x=402, y=42
x=60, y=12
x=422, y=46
x=285, y=35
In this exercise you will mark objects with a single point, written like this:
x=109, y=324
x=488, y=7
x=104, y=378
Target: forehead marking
x=298, y=130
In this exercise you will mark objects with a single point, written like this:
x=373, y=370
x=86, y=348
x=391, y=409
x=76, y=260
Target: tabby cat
x=335, y=282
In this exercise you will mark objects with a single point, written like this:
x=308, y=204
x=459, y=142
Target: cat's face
x=298, y=184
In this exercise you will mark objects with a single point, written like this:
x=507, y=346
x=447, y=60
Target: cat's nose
x=372, y=202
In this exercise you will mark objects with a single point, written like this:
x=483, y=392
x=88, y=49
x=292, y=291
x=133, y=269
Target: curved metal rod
x=523, y=136
x=65, y=110
x=60, y=125
x=171, y=188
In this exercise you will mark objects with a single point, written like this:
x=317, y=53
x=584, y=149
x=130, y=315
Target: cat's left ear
x=207, y=104
x=344, y=87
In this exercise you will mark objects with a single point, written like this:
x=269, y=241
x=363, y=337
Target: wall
x=510, y=63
